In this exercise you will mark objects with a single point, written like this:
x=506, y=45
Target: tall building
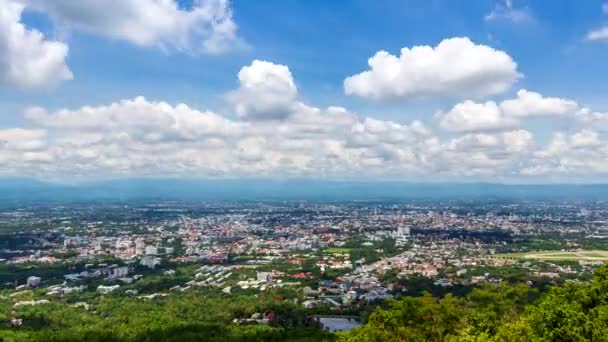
x=140, y=246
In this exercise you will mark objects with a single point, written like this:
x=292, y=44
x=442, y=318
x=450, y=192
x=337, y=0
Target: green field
x=595, y=255
x=338, y=250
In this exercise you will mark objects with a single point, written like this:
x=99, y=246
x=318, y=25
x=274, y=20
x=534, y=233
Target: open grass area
x=557, y=255
x=338, y=250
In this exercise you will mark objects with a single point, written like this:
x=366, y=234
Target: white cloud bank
x=469, y=116
x=139, y=137
x=456, y=67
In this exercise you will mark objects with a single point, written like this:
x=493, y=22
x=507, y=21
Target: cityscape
x=303, y=170
x=333, y=261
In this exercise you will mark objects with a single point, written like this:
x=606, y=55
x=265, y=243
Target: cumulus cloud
x=469, y=116
x=585, y=138
x=529, y=103
x=22, y=139
x=138, y=117
x=140, y=137
x=582, y=154
x=456, y=67
x=495, y=155
x=266, y=91
x=207, y=26
x=27, y=58
x=590, y=118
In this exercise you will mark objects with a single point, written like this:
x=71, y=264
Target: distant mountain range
x=22, y=189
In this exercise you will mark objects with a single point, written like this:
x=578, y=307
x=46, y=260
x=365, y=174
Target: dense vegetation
x=192, y=316
x=493, y=312
x=573, y=312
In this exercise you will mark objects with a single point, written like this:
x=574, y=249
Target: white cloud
x=505, y=10
x=494, y=156
x=456, y=67
x=27, y=58
x=137, y=118
x=266, y=91
x=518, y=141
x=469, y=116
x=589, y=118
x=22, y=139
x=581, y=155
x=600, y=33
x=496, y=145
x=585, y=138
x=139, y=137
x=529, y=103
x=205, y=27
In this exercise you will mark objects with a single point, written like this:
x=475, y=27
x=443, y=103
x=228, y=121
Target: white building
x=140, y=246
x=403, y=231
x=265, y=277
x=118, y=272
x=151, y=250
x=33, y=281
x=107, y=289
x=150, y=261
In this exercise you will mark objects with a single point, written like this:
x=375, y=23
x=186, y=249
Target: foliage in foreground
x=574, y=312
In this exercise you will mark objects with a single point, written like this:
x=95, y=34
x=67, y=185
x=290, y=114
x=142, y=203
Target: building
x=151, y=250
x=107, y=289
x=118, y=272
x=140, y=246
x=265, y=277
x=150, y=261
x=33, y=281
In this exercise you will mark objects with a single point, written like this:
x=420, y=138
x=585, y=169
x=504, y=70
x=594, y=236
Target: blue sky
x=321, y=43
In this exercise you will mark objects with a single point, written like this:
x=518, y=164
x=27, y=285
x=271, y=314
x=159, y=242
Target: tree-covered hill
x=574, y=312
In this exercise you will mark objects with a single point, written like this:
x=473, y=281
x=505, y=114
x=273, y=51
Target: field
x=338, y=250
x=594, y=255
